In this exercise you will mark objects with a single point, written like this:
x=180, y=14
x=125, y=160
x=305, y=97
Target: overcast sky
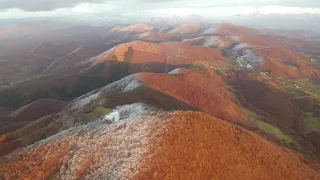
x=26, y=8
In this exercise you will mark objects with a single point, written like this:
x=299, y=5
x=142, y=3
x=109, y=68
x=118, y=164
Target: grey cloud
x=47, y=5
x=43, y=5
x=226, y=3
x=301, y=3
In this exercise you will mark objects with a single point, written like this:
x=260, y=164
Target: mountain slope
x=130, y=148
x=186, y=29
x=200, y=89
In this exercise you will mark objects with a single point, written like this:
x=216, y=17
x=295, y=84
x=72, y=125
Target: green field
x=197, y=65
x=312, y=122
x=101, y=111
x=273, y=131
x=296, y=92
x=267, y=128
x=310, y=87
x=291, y=65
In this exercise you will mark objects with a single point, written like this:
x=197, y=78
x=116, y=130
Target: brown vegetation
x=283, y=62
x=154, y=37
x=232, y=30
x=179, y=53
x=199, y=146
x=186, y=29
x=176, y=146
x=138, y=28
x=200, y=89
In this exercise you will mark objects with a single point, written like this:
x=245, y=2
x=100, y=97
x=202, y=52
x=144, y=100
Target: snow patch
x=210, y=40
x=177, y=71
x=84, y=100
x=112, y=117
x=134, y=110
x=250, y=60
x=132, y=85
x=234, y=38
x=241, y=46
x=209, y=31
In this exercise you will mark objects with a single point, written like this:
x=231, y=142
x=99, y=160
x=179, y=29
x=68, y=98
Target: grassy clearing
x=101, y=111
x=267, y=128
x=296, y=92
x=312, y=122
x=230, y=70
x=290, y=65
x=254, y=72
x=310, y=87
x=231, y=62
x=306, y=87
x=218, y=72
x=273, y=131
x=197, y=65
x=231, y=65
x=267, y=78
x=219, y=67
x=252, y=116
x=219, y=64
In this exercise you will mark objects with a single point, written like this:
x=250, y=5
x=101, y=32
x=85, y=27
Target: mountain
x=80, y=54
x=52, y=50
x=155, y=37
x=137, y=28
x=158, y=138
x=232, y=30
x=30, y=113
x=162, y=100
x=212, y=41
x=186, y=29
